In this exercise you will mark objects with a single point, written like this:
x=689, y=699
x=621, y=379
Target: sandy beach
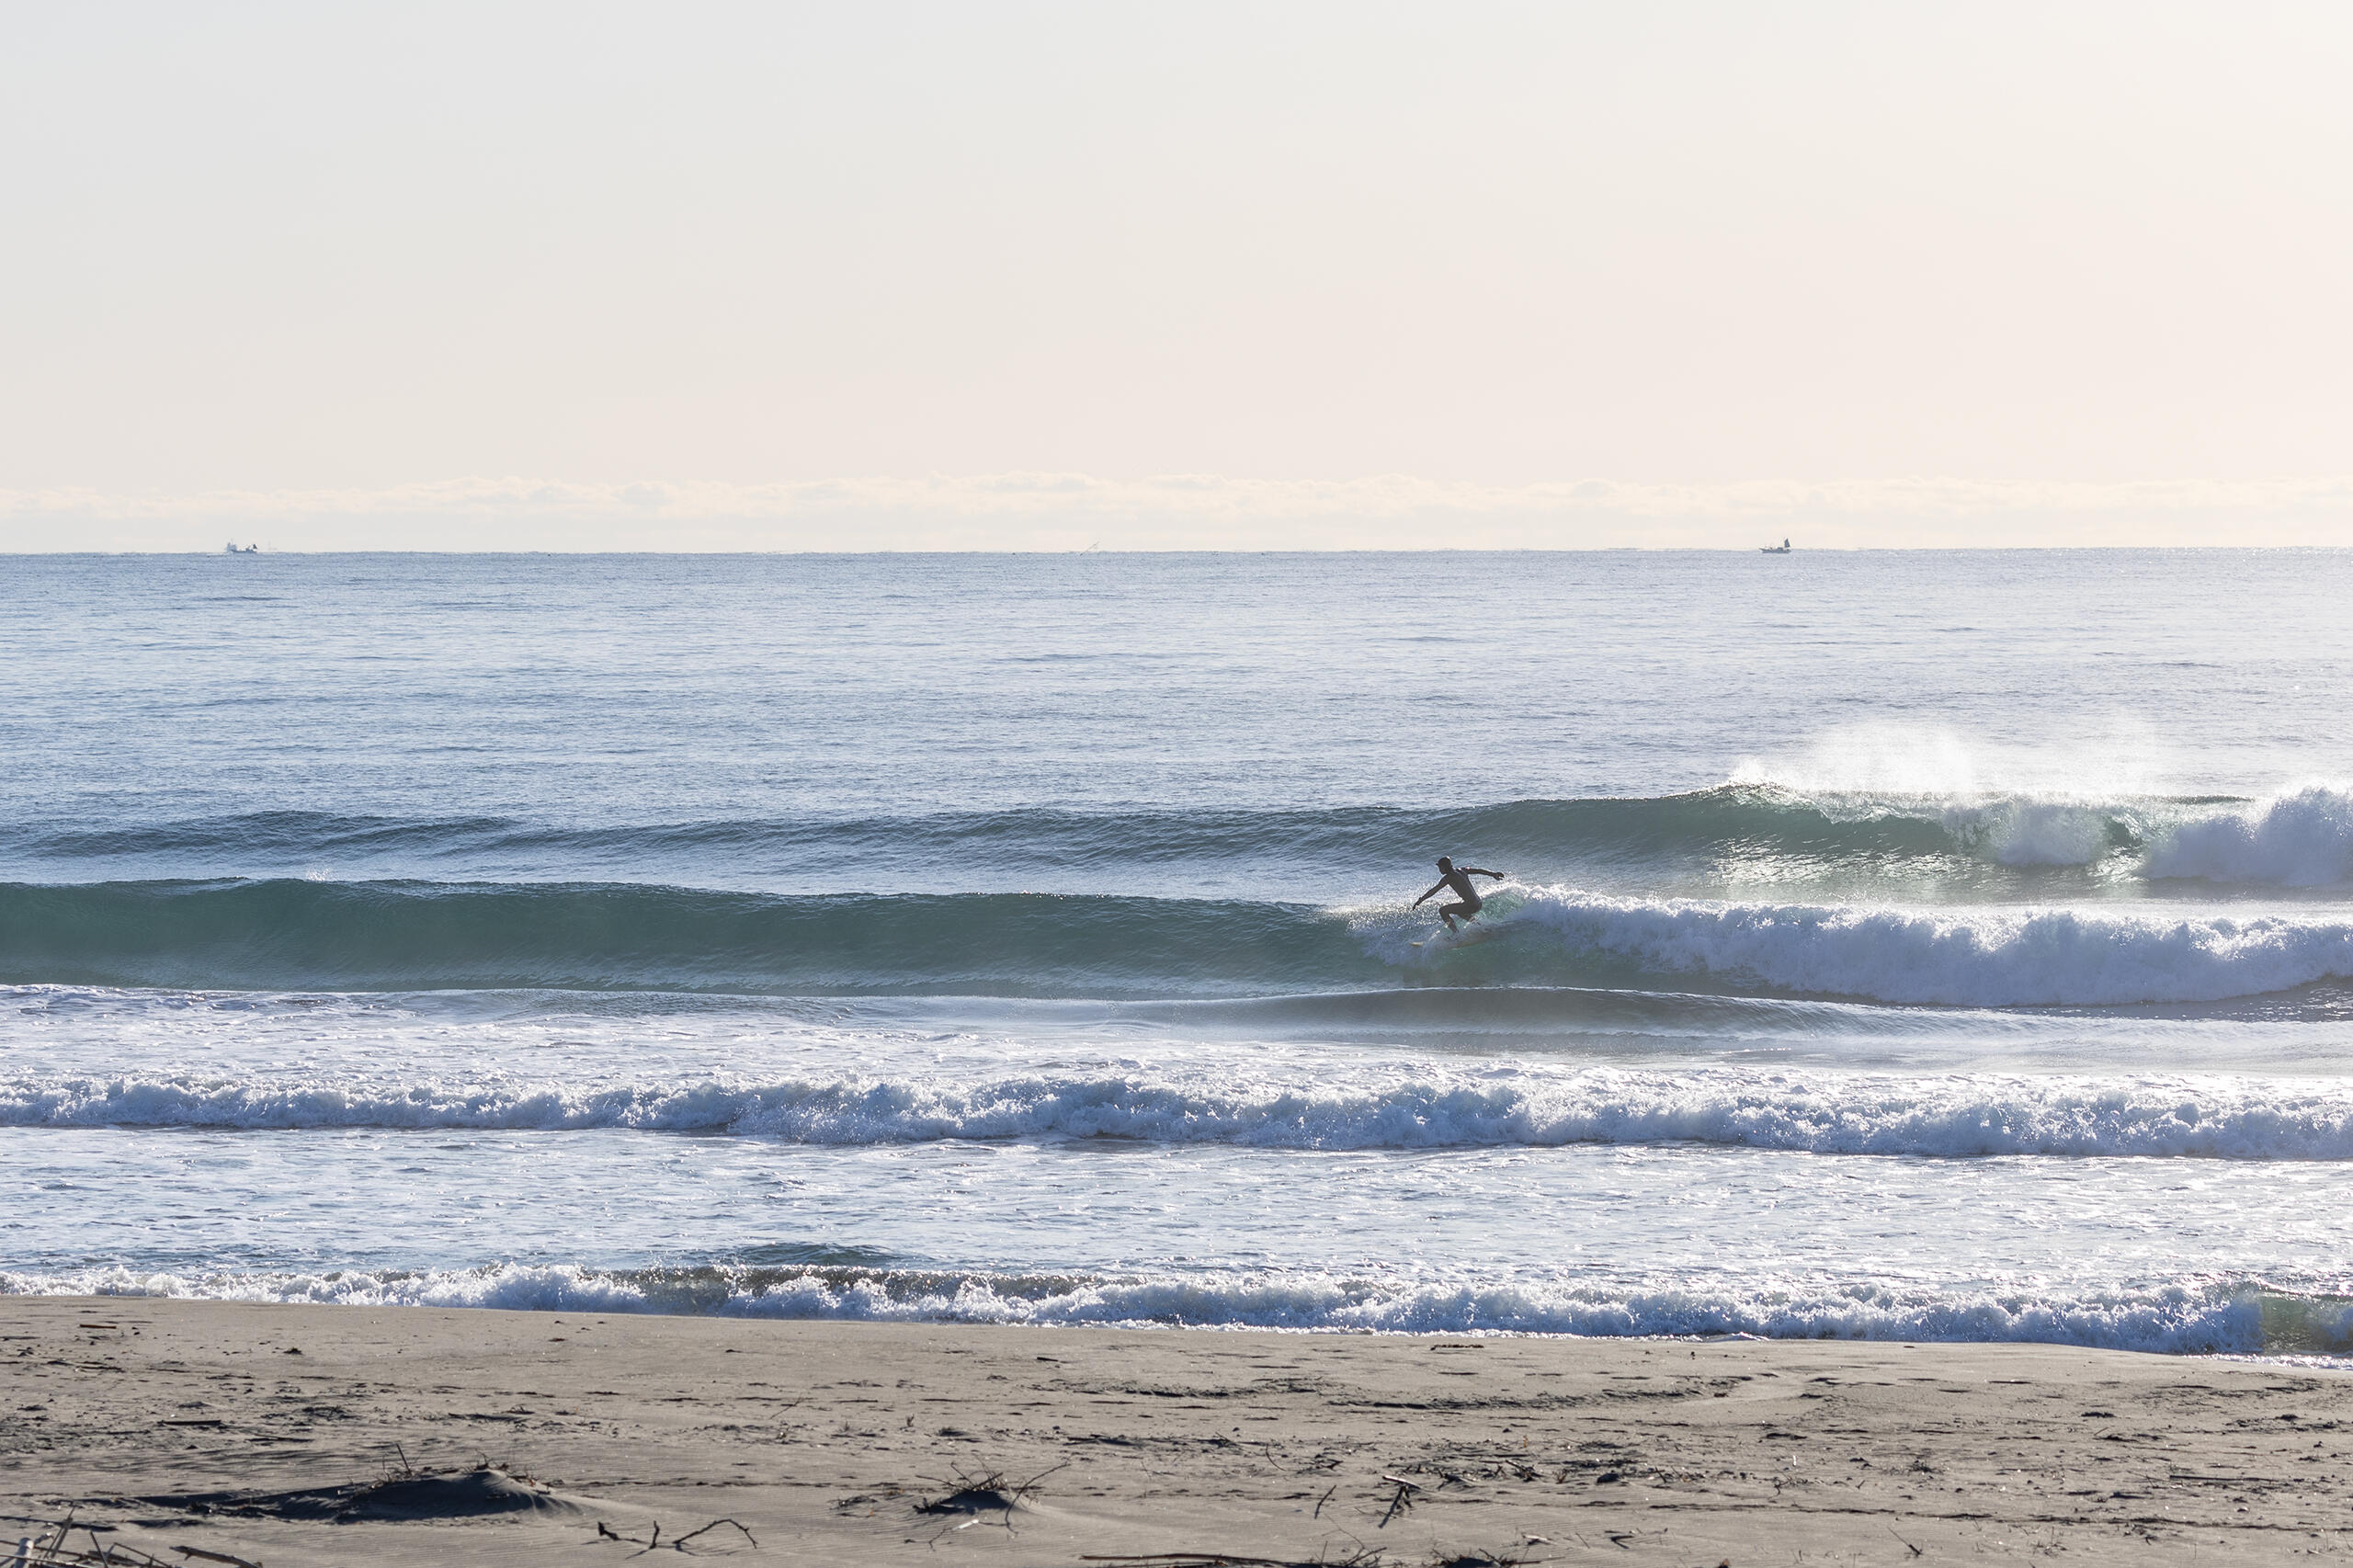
x=294, y=1435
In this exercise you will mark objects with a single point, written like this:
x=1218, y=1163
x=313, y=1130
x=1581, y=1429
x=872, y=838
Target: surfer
x=1450, y=875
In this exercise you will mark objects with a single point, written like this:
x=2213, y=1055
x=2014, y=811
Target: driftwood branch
x=679, y=1544
x=49, y=1549
x=1401, y=1503
x=1367, y=1559
x=676, y=1543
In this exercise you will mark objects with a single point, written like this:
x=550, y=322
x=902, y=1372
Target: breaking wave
x=1971, y=957
x=2300, y=838
x=423, y=936
x=1817, y=1112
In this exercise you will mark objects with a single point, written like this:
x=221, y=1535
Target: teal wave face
x=294, y=934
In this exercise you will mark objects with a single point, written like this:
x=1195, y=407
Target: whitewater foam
x=2302, y=838
x=1981, y=957
x=1946, y=1115
x=2036, y=832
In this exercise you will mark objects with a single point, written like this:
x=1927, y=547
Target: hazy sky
x=548, y=273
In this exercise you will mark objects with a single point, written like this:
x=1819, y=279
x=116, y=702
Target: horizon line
x=1023, y=513
x=260, y=551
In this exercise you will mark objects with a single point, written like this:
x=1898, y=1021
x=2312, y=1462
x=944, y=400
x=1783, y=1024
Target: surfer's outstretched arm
x=1476, y=872
x=1417, y=903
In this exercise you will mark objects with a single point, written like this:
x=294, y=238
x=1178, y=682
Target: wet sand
x=291, y=1435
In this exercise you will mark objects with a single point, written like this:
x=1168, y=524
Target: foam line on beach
x=2193, y=1317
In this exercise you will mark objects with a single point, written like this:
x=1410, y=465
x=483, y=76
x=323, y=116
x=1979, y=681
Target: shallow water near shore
x=1923, y=945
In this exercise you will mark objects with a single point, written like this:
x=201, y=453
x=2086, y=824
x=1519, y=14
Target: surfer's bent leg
x=1448, y=911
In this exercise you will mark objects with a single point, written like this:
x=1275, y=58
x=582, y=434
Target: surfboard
x=1463, y=938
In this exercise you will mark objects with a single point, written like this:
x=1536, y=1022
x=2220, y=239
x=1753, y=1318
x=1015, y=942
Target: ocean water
x=1915, y=945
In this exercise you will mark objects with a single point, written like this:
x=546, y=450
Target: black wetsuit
x=1460, y=881
x=1458, y=878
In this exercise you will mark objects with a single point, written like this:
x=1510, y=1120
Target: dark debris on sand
x=403, y=1495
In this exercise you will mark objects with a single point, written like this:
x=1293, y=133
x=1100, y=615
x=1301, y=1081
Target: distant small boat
x=1781, y=548
x=249, y=550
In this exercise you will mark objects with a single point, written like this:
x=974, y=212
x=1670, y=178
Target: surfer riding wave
x=1468, y=901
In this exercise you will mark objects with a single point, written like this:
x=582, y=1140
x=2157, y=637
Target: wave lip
x=2195, y=1317
x=1849, y=1114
